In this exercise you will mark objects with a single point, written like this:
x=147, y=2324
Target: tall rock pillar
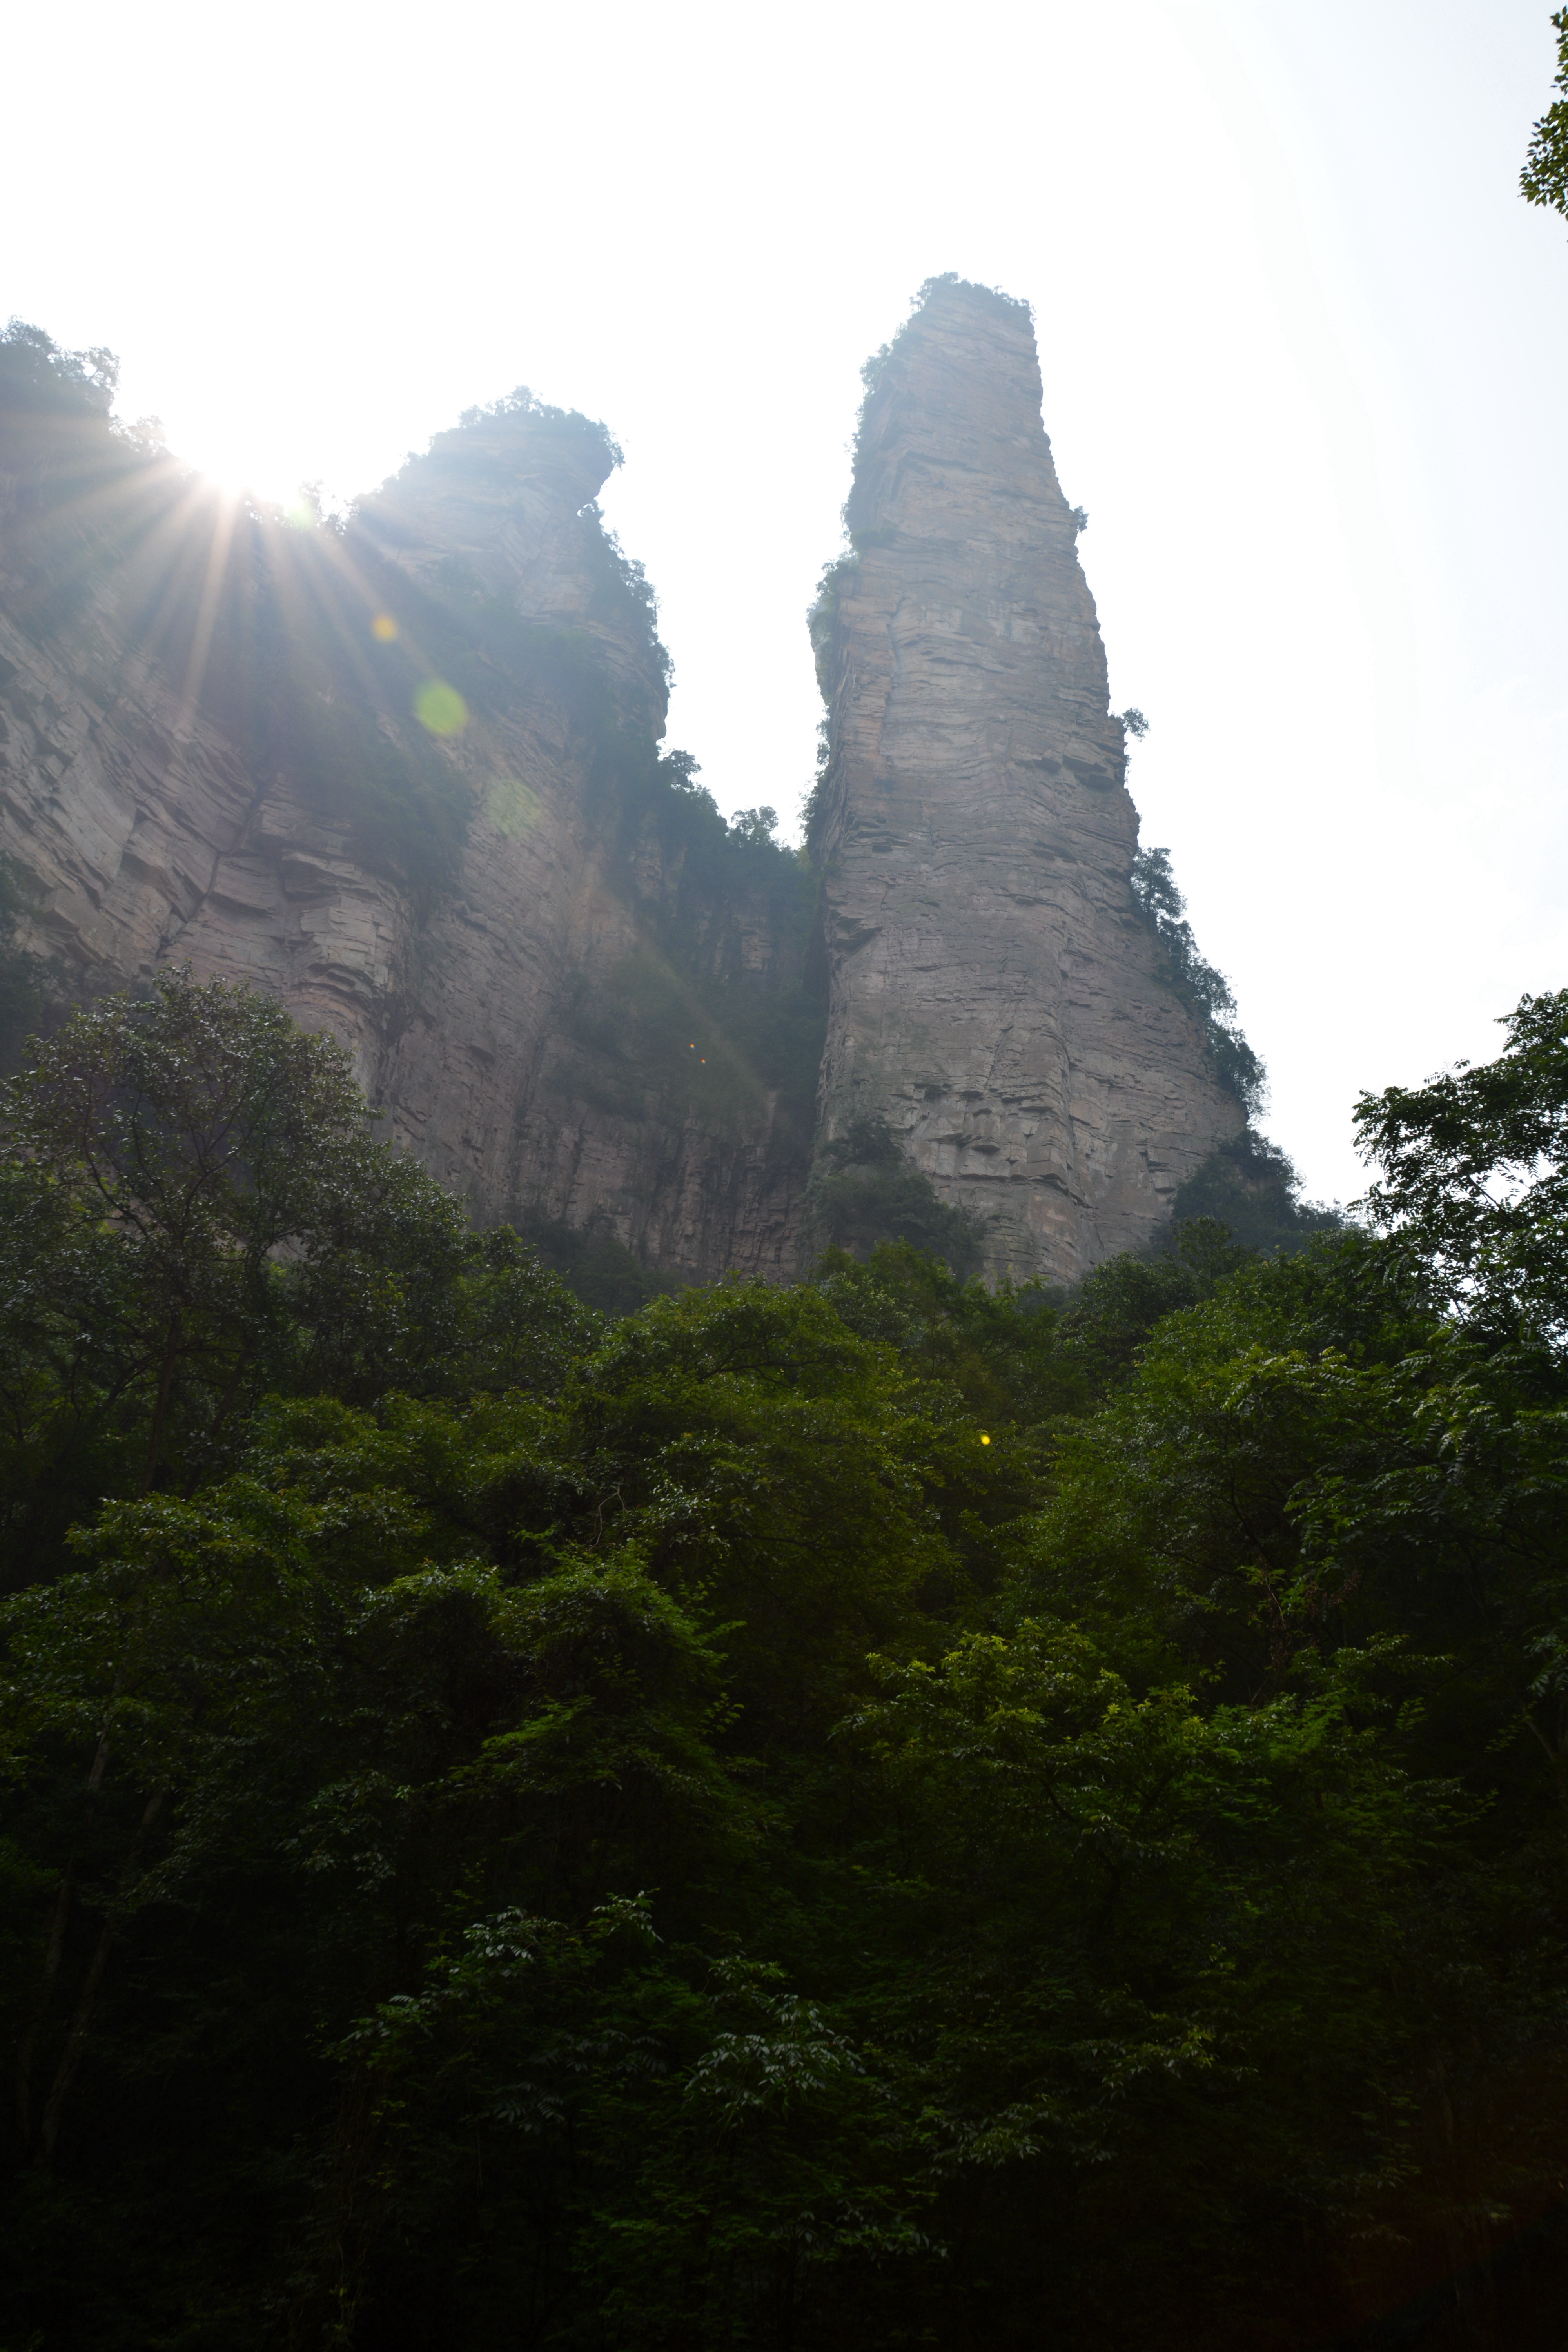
x=994, y=996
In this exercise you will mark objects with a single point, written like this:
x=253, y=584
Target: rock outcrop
x=996, y=997
x=579, y=996
x=584, y=1024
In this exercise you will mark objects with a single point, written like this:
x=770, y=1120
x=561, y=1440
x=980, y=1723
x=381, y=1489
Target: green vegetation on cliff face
x=1251, y=1188
x=875, y=1813
x=728, y=1039
x=21, y=983
x=864, y=1193
x=326, y=664
x=75, y=483
x=366, y=692
x=261, y=627
x=1194, y=979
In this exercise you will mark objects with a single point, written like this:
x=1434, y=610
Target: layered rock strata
x=570, y=990
x=514, y=1028
x=995, y=996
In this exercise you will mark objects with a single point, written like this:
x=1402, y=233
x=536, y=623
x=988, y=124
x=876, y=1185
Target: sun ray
x=206, y=617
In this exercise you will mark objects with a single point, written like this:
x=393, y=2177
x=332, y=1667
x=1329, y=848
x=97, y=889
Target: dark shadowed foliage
x=873, y=1814
x=595, y=1265
x=1249, y=1186
x=863, y=1190
x=22, y=993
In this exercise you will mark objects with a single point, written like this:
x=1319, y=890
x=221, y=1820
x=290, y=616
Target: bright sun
x=270, y=473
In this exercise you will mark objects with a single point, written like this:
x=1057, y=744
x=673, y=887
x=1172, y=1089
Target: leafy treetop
x=1544, y=179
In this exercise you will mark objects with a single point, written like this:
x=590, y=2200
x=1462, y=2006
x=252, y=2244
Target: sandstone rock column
x=993, y=995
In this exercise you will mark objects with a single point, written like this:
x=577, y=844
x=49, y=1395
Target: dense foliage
x=361, y=683
x=21, y=989
x=1544, y=179
x=1195, y=981
x=872, y=1813
x=863, y=1191
x=685, y=1019
x=1250, y=1185
x=193, y=1216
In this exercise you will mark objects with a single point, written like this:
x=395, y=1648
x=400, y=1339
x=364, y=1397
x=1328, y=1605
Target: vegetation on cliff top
x=847, y=1815
x=359, y=680
x=1201, y=987
x=257, y=624
x=874, y=371
x=303, y=639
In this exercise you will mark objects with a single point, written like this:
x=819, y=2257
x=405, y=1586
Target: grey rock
x=987, y=985
x=994, y=996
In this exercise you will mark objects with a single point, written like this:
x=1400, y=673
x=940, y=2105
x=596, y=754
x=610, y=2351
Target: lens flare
x=441, y=708
x=383, y=628
x=511, y=806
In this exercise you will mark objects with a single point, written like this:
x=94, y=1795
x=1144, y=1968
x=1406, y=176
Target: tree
x=21, y=991
x=1544, y=179
x=1195, y=981
x=863, y=1190
x=39, y=379
x=756, y=825
x=1474, y=1178
x=163, y=1156
x=194, y=1211
x=840, y=1817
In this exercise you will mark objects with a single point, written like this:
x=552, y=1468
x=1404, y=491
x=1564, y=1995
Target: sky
x=1303, y=347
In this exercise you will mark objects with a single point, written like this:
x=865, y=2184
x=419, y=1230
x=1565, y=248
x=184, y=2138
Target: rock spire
x=994, y=996
x=584, y=1000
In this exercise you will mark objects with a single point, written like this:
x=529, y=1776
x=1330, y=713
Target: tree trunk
x=54, y=1953
x=76, y=2041
x=160, y=1410
x=221, y=1416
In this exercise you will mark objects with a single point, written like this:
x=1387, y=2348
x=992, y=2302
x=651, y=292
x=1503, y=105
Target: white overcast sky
x=1303, y=345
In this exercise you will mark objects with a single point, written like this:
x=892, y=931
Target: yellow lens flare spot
x=985, y=1441
x=511, y=806
x=441, y=708
x=383, y=628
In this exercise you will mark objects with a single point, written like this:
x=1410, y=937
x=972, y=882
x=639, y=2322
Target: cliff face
x=517, y=1023
x=403, y=775
x=994, y=996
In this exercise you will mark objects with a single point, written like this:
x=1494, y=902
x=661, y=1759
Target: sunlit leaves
x=1474, y=1174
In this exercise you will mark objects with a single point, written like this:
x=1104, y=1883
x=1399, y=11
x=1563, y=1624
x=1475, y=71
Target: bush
x=863, y=1192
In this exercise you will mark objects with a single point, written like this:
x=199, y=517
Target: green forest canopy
x=871, y=1813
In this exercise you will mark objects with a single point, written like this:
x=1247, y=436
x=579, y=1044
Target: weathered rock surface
x=495, y=1028
x=593, y=1006
x=994, y=996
